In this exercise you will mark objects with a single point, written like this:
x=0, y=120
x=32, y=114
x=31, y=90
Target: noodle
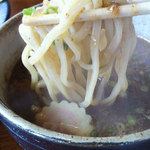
x=72, y=59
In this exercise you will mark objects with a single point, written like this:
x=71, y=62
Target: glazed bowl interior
x=10, y=51
x=11, y=46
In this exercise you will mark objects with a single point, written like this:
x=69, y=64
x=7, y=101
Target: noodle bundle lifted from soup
x=75, y=60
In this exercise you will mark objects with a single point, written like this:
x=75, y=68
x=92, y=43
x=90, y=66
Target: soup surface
x=128, y=114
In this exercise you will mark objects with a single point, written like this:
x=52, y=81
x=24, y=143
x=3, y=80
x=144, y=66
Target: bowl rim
x=60, y=137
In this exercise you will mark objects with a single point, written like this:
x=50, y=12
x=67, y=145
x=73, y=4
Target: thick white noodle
x=31, y=69
x=83, y=32
x=121, y=65
x=64, y=69
x=94, y=50
x=95, y=61
x=65, y=23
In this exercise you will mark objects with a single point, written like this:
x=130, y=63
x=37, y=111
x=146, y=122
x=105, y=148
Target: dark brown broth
x=20, y=96
x=135, y=106
x=119, y=119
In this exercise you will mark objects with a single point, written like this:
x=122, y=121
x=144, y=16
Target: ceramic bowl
x=31, y=136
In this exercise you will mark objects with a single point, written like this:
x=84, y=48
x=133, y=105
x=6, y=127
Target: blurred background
x=6, y=141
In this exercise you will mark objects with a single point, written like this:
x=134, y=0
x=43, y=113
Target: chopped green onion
x=94, y=133
x=53, y=9
x=28, y=11
x=53, y=42
x=110, y=130
x=144, y=88
x=120, y=127
x=141, y=73
x=65, y=46
x=139, y=110
x=131, y=120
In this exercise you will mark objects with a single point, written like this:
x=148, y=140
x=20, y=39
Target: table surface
x=6, y=141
